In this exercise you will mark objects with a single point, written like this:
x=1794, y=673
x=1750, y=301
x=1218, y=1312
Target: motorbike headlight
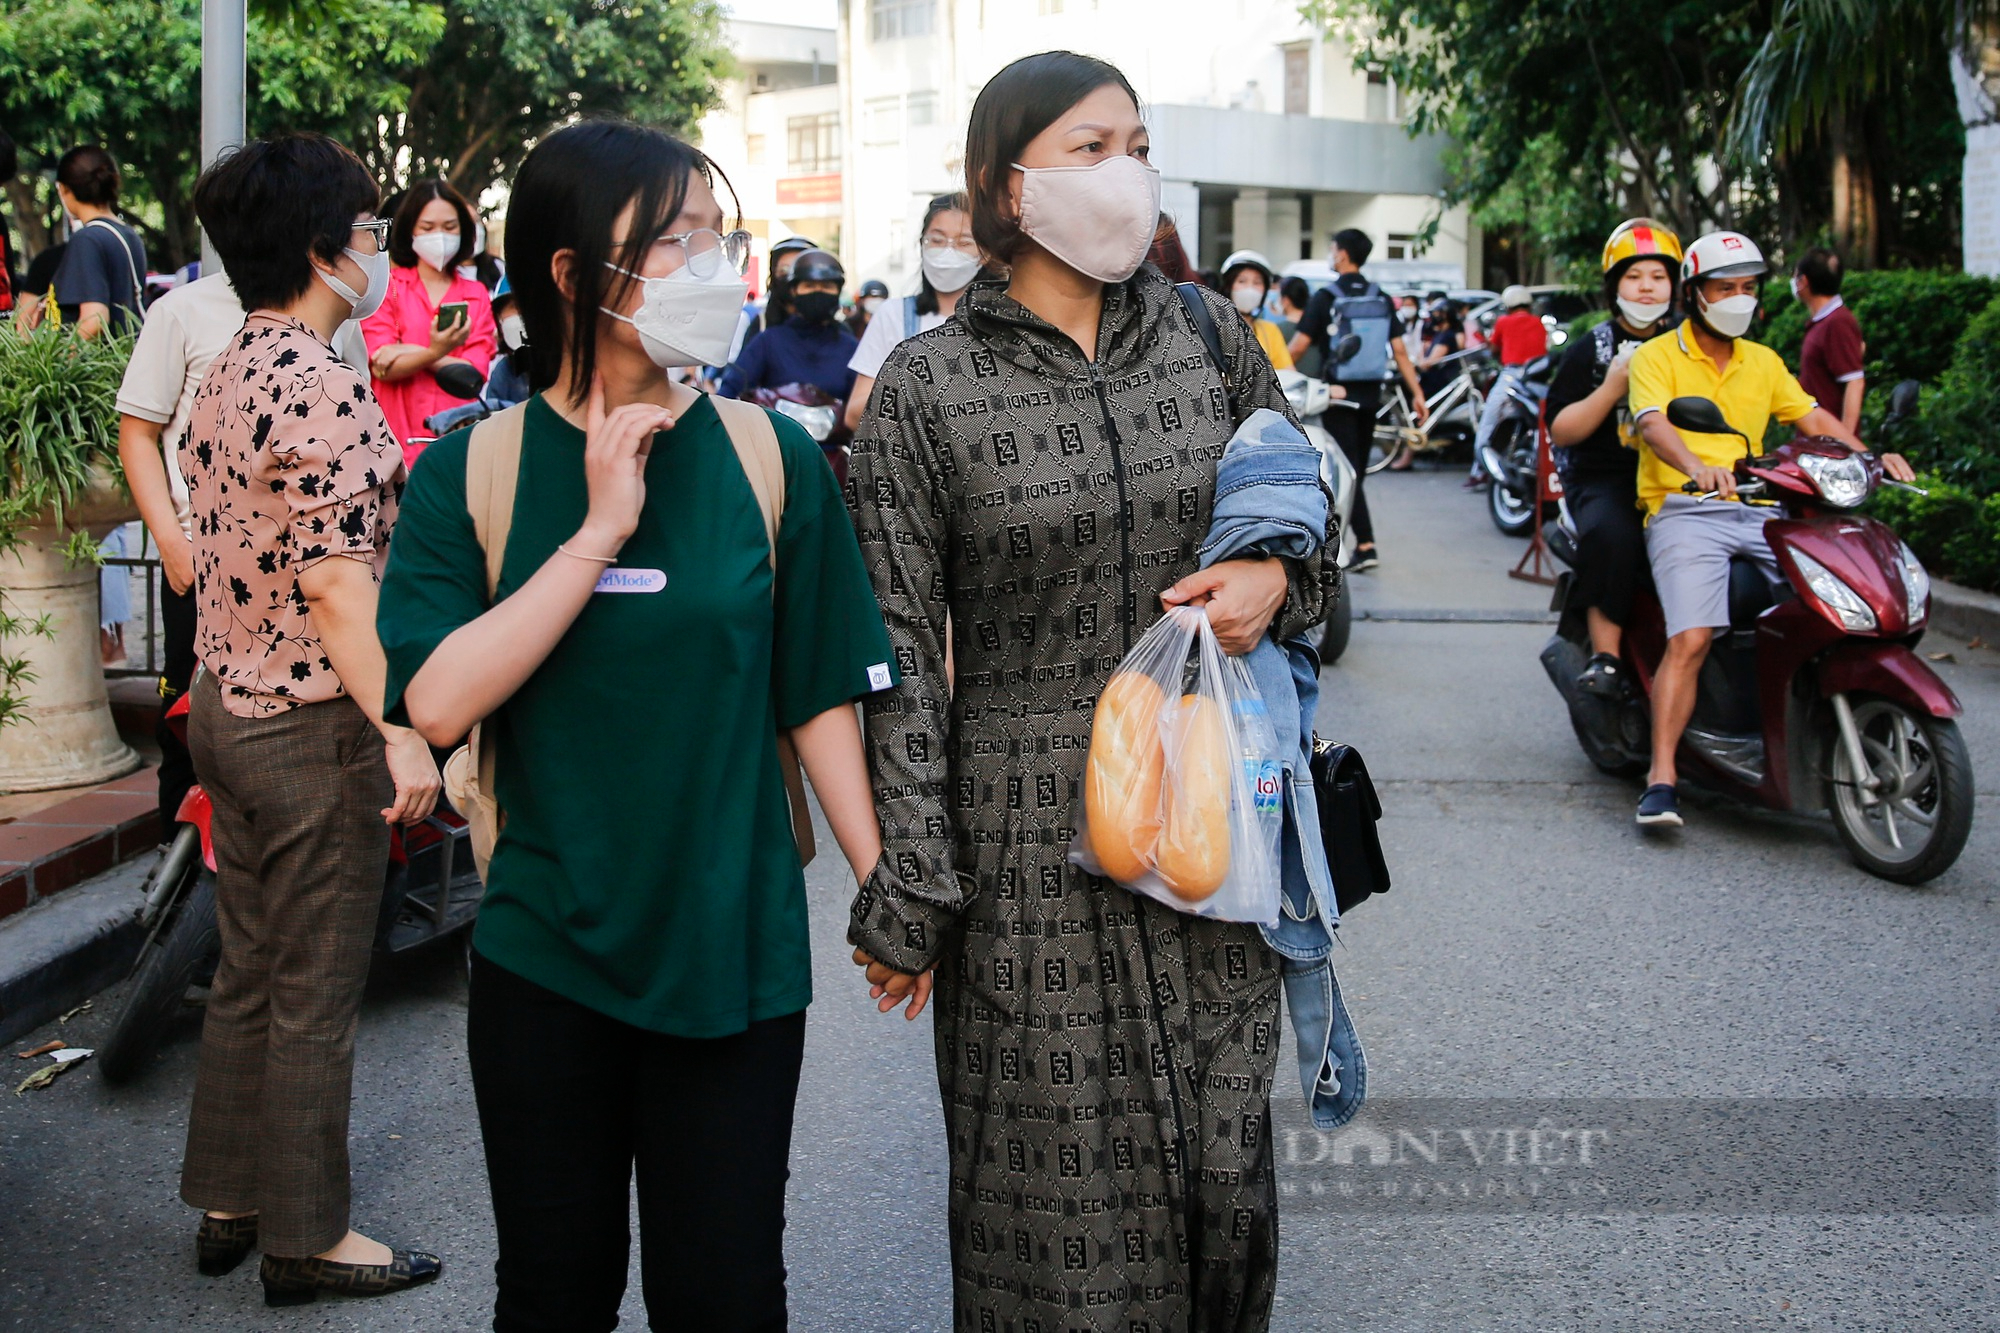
x=1841, y=602
x=1916, y=585
x=1842, y=482
x=818, y=421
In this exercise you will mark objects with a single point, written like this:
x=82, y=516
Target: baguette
x=1193, y=852
x=1121, y=781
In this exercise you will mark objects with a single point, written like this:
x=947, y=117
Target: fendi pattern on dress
x=288, y=461
x=1106, y=1063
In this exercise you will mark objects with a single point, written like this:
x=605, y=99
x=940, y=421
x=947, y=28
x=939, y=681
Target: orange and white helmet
x=1723, y=254
x=1641, y=238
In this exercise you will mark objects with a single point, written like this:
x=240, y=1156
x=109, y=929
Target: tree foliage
x=459, y=88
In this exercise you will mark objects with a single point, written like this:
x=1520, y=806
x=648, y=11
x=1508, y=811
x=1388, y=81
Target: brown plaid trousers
x=301, y=851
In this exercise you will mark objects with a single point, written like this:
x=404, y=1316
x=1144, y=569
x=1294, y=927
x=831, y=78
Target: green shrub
x=1961, y=418
x=1955, y=532
x=1912, y=319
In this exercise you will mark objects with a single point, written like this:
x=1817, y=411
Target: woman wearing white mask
x=951, y=259
x=434, y=315
x=1037, y=474
x=293, y=480
x=1247, y=279
x=664, y=955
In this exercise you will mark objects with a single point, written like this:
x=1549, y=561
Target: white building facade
x=1266, y=136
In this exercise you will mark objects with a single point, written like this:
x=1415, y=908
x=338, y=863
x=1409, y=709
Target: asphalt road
x=1535, y=947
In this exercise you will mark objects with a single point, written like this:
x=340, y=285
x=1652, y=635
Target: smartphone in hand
x=450, y=313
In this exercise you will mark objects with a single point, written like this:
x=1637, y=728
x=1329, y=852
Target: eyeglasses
x=379, y=229
x=934, y=240
x=707, y=251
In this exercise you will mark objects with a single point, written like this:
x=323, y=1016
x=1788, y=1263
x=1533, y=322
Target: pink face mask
x=1099, y=220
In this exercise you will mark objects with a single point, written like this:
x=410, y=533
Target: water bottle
x=1263, y=774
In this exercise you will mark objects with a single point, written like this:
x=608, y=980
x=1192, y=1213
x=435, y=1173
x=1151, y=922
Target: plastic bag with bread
x=1168, y=805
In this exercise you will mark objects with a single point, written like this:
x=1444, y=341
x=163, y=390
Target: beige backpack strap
x=756, y=441
x=492, y=472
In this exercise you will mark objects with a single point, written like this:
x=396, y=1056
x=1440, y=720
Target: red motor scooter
x=1813, y=698
x=432, y=890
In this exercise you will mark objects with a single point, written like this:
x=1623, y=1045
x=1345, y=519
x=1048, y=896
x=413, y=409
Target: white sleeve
x=157, y=372
x=878, y=340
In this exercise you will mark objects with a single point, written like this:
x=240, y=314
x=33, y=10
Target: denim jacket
x=1269, y=499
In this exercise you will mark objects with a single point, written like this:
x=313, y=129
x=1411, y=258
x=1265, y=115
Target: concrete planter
x=64, y=736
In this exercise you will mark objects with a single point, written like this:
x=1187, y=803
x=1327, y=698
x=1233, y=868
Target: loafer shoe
x=1658, y=808
x=297, y=1281
x=221, y=1243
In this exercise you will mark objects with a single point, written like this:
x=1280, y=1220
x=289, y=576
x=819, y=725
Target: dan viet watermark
x=1851, y=1155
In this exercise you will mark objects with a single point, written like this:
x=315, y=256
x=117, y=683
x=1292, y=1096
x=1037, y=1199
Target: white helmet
x=1516, y=296
x=1723, y=254
x=1251, y=259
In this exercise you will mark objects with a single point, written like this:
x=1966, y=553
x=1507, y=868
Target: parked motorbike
x=820, y=413
x=1309, y=399
x=1510, y=456
x=1814, y=698
x=431, y=891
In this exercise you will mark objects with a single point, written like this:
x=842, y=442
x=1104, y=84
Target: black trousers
x=177, y=648
x=571, y=1101
x=1353, y=429
x=1611, y=545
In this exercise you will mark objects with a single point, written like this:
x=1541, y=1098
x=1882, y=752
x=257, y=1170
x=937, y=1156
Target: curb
x=58, y=954
x=1964, y=614
x=45, y=852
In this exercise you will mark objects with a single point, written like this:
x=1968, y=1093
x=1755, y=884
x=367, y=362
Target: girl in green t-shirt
x=645, y=913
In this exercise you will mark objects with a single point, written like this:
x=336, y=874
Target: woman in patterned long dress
x=1037, y=474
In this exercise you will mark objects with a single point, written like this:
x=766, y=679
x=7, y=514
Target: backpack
x=1372, y=317
x=492, y=467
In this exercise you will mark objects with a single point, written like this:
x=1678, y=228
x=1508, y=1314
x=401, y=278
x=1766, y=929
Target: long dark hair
x=567, y=196
x=411, y=207
x=1017, y=104
x=927, y=296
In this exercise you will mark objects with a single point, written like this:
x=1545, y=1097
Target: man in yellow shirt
x=1691, y=543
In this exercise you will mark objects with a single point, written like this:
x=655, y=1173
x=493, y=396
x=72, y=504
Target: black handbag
x=1348, y=809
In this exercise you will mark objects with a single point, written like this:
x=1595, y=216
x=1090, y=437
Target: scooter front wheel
x=1919, y=777
x=186, y=942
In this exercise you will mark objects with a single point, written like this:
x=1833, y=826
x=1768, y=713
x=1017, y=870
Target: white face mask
x=683, y=320
x=871, y=303
x=1643, y=314
x=436, y=248
x=1099, y=220
x=365, y=303
x=513, y=332
x=1730, y=316
x=949, y=269
x=1248, y=299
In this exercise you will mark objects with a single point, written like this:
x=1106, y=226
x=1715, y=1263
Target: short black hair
x=1822, y=270
x=1294, y=291
x=411, y=207
x=273, y=204
x=1355, y=242
x=90, y=175
x=567, y=196
x=1016, y=105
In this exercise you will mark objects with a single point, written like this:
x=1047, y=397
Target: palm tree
x=1824, y=69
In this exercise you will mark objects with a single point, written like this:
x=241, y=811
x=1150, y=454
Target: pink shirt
x=407, y=316
x=288, y=463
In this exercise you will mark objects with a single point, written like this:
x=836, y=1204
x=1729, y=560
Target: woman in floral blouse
x=293, y=477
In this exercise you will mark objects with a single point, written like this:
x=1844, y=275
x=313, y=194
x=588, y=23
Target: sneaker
x=1603, y=676
x=1365, y=559
x=1659, y=808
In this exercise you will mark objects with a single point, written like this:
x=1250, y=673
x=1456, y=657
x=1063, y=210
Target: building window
x=889, y=19
x=921, y=109
x=1298, y=81
x=755, y=149
x=812, y=143
x=882, y=120
x=1402, y=245
x=1381, y=96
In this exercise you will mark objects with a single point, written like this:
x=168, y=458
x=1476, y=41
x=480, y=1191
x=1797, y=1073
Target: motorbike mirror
x=1699, y=415
x=1903, y=400
x=460, y=380
x=1347, y=349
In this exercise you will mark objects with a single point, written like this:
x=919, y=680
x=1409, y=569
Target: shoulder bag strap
x=131, y=266
x=756, y=443
x=909, y=317
x=492, y=471
x=1211, y=338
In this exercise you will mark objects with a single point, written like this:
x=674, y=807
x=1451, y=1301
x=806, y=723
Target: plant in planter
x=61, y=488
